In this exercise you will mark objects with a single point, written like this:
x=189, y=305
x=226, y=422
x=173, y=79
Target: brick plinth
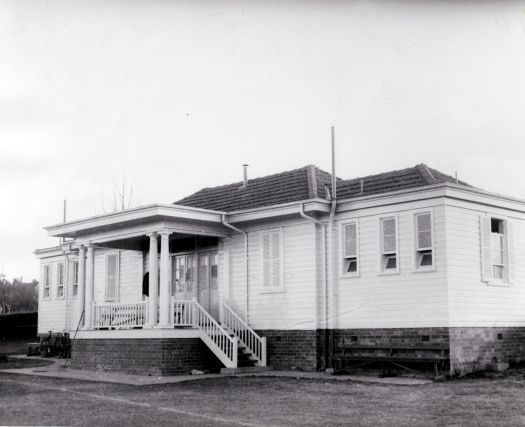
x=474, y=349
x=291, y=349
x=160, y=356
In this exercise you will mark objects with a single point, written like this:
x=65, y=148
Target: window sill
x=498, y=284
x=424, y=270
x=349, y=276
x=389, y=273
x=273, y=291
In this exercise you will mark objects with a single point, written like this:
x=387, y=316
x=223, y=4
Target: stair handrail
x=227, y=344
x=251, y=339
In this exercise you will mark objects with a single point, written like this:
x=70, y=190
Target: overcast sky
x=176, y=95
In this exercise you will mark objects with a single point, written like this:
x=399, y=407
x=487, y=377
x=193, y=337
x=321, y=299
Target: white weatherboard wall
x=295, y=306
x=407, y=299
x=473, y=302
x=51, y=311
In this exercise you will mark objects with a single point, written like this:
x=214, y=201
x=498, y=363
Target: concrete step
x=245, y=370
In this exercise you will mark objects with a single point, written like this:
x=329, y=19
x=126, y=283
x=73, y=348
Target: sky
x=172, y=96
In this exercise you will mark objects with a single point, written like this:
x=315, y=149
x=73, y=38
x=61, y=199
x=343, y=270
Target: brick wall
x=388, y=336
x=288, y=349
x=474, y=349
x=166, y=356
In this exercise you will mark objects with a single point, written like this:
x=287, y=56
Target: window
x=497, y=250
x=272, y=272
x=350, y=249
x=47, y=281
x=112, y=276
x=60, y=280
x=74, y=278
x=424, y=242
x=389, y=257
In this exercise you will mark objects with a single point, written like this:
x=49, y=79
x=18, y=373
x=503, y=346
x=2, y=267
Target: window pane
x=498, y=272
x=111, y=278
x=266, y=274
x=389, y=244
x=424, y=239
x=350, y=240
x=389, y=227
x=276, y=246
x=391, y=263
x=426, y=260
x=351, y=265
x=423, y=222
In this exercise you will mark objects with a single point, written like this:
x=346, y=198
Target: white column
x=81, y=292
x=90, y=287
x=153, y=261
x=164, y=299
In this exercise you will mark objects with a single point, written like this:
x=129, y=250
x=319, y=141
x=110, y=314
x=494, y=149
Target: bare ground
x=262, y=401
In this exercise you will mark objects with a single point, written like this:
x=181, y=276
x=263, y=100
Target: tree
x=18, y=296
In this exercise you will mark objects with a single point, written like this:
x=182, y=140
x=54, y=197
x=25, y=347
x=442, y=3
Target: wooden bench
x=392, y=355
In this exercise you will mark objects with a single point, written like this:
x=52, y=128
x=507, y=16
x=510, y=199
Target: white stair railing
x=253, y=342
x=215, y=337
x=120, y=316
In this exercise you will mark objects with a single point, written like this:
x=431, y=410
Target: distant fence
x=18, y=325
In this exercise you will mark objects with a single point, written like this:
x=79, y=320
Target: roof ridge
x=425, y=172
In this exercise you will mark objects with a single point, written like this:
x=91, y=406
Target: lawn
x=258, y=401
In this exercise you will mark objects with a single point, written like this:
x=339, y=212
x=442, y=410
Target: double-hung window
x=60, y=279
x=496, y=239
x=424, y=241
x=350, y=249
x=74, y=278
x=112, y=276
x=47, y=281
x=388, y=243
x=272, y=268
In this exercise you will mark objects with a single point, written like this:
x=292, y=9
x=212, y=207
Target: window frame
x=117, y=277
x=418, y=251
x=344, y=258
x=504, y=280
x=272, y=289
x=74, y=279
x=61, y=265
x=47, y=281
x=383, y=256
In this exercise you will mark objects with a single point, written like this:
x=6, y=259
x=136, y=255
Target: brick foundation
x=474, y=349
x=161, y=356
x=291, y=349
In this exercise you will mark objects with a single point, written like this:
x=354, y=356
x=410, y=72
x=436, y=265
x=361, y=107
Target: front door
x=208, y=287
x=195, y=274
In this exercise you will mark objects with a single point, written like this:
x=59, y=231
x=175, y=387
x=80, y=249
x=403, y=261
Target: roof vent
x=244, y=175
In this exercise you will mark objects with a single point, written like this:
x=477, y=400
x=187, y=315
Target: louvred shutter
x=486, y=257
x=511, y=265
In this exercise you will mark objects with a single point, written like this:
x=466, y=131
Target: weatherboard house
x=276, y=271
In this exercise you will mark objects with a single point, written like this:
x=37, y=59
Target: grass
x=263, y=401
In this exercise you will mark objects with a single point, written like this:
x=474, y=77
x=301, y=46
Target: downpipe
x=238, y=230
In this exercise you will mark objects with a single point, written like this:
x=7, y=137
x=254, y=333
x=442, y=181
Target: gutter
x=238, y=230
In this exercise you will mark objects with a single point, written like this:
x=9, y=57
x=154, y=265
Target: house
x=276, y=271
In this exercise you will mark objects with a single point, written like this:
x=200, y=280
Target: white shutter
x=266, y=259
x=486, y=257
x=276, y=260
x=510, y=263
x=111, y=277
